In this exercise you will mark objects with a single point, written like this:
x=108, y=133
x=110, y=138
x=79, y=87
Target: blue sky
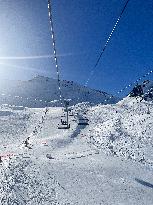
x=81, y=28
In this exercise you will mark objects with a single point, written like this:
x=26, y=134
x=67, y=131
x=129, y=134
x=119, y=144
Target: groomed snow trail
x=65, y=167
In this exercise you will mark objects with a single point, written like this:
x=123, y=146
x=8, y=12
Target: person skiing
x=1, y=159
x=27, y=142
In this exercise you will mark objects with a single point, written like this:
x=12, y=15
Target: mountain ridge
x=43, y=91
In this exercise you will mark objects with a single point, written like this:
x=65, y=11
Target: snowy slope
x=42, y=91
x=84, y=165
x=124, y=129
x=108, y=162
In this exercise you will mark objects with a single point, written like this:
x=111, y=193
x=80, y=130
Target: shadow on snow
x=147, y=184
x=64, y=142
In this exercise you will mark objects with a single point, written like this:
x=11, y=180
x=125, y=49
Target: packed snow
x=108, y=162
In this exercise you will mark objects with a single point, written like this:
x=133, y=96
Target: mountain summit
x=43, y=91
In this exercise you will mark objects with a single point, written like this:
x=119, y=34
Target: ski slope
x=85, y=165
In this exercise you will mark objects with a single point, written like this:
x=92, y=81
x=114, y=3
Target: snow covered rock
x=124, y=129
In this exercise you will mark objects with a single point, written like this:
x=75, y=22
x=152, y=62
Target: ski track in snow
x=108, y=162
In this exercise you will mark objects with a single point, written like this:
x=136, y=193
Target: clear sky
x=81, y=28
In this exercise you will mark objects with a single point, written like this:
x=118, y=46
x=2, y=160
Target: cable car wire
x=104, y=48
x=54, y=48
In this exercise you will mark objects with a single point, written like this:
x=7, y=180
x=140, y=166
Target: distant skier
x=42, y=119
x=35, y=131
x=26, y=142
x=1, y=159
x=46, y=110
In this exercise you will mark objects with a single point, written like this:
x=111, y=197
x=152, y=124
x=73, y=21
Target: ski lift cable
x=66, y=126
x=54, y=48
x=131, y=84
x=136, y=81
x=49, y=101
x=149, y=91
x=139, y=79
x=53, y=38
x=26, y=98
x=55, y=56
x=104, y=48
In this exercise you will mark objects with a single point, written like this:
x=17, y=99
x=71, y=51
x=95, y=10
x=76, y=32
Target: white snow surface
x=108, y=162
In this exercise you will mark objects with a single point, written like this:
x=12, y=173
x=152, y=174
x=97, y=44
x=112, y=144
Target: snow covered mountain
x=145, y=89
x=43, y=91
x=110, y=161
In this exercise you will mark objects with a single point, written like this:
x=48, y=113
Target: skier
x=1, y=159
x=27, y=142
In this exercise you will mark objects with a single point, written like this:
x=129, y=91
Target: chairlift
x=67, y=109
x=83, y=121
x=71, y=113
x=63, y=122
x=64, y=126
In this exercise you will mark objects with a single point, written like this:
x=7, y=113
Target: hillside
x=124, y=130
x=110, y=161
x=43, y=91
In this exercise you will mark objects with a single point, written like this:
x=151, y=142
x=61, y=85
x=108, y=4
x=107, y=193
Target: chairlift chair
x=83, y=121
x=64, y=126
x=63, y=122
x=71, y=113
